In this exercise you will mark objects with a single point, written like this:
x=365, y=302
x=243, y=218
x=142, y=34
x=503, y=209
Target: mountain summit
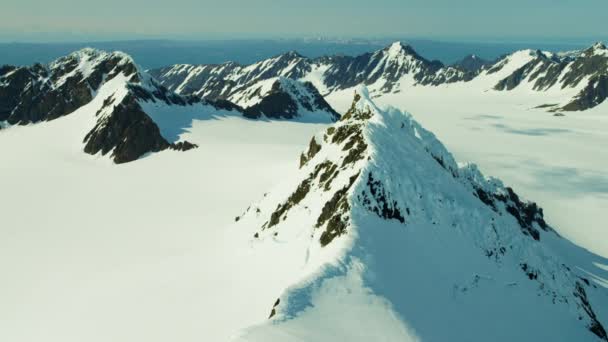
x=132, y=113
x=579, y=76
x=391, y=236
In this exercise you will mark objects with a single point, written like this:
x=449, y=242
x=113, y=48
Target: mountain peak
x=399, y=48
x=290, y=99
x=376, y=194
x=292, y=54
x=597, y=49
x=362, y=108
x=87, y=52
x=471, y=63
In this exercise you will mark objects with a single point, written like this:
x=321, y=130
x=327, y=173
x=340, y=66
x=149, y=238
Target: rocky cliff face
x=123, y=128
x=46, y=92
x=472, y=63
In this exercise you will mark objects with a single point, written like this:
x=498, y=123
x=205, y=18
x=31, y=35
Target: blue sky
x=210, y=19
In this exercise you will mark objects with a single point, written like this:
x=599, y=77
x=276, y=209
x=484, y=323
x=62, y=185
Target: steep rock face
x=289, y=99
x=592, y=95
x=380, y=209
x=46, y=92
x=472, y=63
x=125, y=130
x=587, y=69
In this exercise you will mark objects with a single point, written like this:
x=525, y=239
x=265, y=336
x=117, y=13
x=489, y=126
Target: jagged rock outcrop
x=289, y=99
x=46, y=92
x=472, y=63
x=592, y=95
x=125, y=130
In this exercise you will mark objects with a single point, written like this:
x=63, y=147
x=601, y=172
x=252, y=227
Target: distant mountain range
x=399, y=66
x=159, y=53
x=127, y=99
x=288, y=86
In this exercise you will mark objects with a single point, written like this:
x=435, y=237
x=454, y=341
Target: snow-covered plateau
x=232, y=203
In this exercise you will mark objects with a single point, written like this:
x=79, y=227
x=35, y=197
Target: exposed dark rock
x=356, y=150
x=334, y=213
x=293, y=200
x=313, y=149
x=335, y=227
x=472, y=63
x=512, y=80
x=594, y=93
x=527, y=214
x=273, y=312
x=595, y=326
x=126, y=131
x=382, y=205
x=287, y=99
x=40, y=93
x=183, y=146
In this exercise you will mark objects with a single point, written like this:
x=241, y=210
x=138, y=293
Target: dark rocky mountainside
x=46, y=92
x=592, y=95
x=123, y=128
x=545, y=71
x=289, y=99
x=472, y=63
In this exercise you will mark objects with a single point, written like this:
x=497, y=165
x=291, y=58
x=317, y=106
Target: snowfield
x=559, y=162
x=93, y=251
x=211, y=244
x=413, y=254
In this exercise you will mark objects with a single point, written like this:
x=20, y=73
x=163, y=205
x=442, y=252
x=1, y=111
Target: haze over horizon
x=69, y=20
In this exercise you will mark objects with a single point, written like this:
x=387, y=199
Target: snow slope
x=93, y=251
x=166, y=268
x=558, y=161
x=394, y=241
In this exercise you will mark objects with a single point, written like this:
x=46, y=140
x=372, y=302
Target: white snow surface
x=559, y=162
x=149, y=251
x=425, y=279
x=93, y=251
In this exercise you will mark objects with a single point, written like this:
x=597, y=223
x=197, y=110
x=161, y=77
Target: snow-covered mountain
x=388, y=68
x=472, y=63
x=578, y=76
x=131, y=105
x=395, y=241
x=586, y=71
x=284, y=98
x=376, y=233
x=46, y=92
